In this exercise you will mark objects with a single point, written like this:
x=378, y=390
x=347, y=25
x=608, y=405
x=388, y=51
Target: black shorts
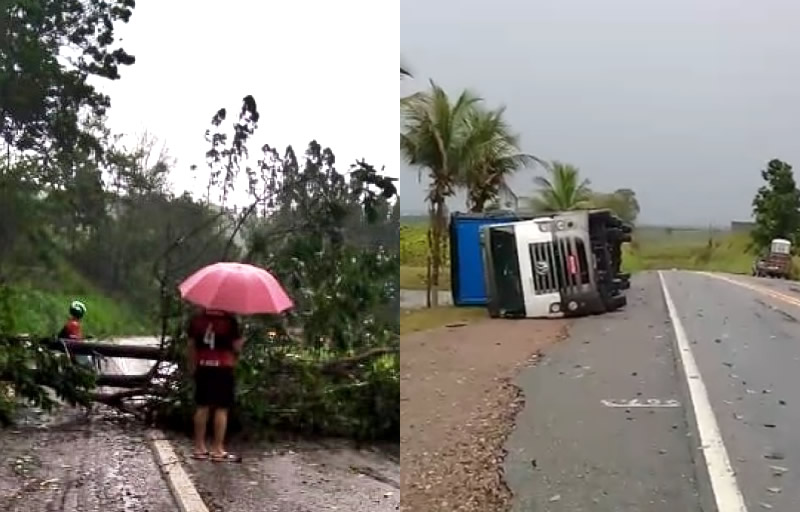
x=214, y=386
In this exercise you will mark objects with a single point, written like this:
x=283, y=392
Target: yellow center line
x=794, y=301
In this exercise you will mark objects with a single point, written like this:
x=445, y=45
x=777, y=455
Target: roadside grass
x=414, y=246
x=717, y=252
x=414, y=320
x=413, y=278
x=413, y=258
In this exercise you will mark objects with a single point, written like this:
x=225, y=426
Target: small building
x=738, y=226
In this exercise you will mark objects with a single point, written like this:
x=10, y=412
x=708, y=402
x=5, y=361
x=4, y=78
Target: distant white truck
x=777, y=262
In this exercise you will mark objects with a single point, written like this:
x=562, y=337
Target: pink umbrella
x=235, y=288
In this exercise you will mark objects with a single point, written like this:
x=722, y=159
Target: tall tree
x=436, y=130
x=562, y=189
x=491, y=155
x=49, y=54
x=622, y=202
x=776, y=206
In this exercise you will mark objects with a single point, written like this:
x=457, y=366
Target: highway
x=685, y=400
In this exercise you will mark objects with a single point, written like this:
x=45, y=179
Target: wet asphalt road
x=307, y=476
x=66, y=463
x=580, y=444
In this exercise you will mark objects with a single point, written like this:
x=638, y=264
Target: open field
x=652, y=248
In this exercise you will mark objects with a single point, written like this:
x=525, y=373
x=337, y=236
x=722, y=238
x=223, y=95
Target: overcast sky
x=683, y=100
x=317, y=69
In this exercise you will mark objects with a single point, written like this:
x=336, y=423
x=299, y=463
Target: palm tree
x=562, y=190
x=435, y=132
x=491, y=155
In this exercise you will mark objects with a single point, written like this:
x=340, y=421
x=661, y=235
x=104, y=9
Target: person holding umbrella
x=215, y=340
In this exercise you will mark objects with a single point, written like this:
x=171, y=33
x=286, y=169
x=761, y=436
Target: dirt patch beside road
x=458, y=406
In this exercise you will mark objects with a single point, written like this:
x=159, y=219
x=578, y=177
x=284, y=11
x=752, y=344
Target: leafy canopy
x=436, y=135
x=562, y=189
x=776, y=206
x=49, y=52
x=491, y=154
x=622, y=202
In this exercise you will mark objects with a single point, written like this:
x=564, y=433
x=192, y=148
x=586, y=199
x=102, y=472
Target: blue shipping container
x=466, y=262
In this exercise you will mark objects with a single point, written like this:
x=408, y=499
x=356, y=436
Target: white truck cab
x=547, y=267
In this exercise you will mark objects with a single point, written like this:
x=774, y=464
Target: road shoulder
x=458, y=405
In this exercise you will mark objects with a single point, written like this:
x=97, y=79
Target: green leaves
x=460, y=145
x=331, y=239
x=776, y=206
x=27, y=369
x=622, y=202
x=49, y=52
x=561, y=190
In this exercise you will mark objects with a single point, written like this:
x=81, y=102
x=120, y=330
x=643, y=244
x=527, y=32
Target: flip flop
x=225, y=457
x=200, y=455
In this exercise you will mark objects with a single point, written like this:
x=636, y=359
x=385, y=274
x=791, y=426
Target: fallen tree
x=331, y=239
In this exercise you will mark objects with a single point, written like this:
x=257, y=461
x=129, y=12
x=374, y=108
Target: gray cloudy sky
x=304, y=62
x=681, y=100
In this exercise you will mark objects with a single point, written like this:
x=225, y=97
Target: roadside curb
x=180, y=485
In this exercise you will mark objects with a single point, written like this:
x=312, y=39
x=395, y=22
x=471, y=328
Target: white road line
x=649, y=403
x=183, y=490
x=727, y=494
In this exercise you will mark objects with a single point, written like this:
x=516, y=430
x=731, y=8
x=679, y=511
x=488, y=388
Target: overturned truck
x=565, y=264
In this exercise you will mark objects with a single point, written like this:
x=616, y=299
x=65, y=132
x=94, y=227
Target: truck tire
x=616, y=302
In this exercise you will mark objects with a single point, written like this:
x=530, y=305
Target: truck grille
x=559, y=266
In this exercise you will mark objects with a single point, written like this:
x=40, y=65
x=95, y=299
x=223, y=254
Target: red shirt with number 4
x=213, y=334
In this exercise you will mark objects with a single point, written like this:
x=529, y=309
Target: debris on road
x=778, y=470
x=775, y=455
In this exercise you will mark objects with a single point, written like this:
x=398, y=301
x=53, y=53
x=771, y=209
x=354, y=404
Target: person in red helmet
x=73, y=331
